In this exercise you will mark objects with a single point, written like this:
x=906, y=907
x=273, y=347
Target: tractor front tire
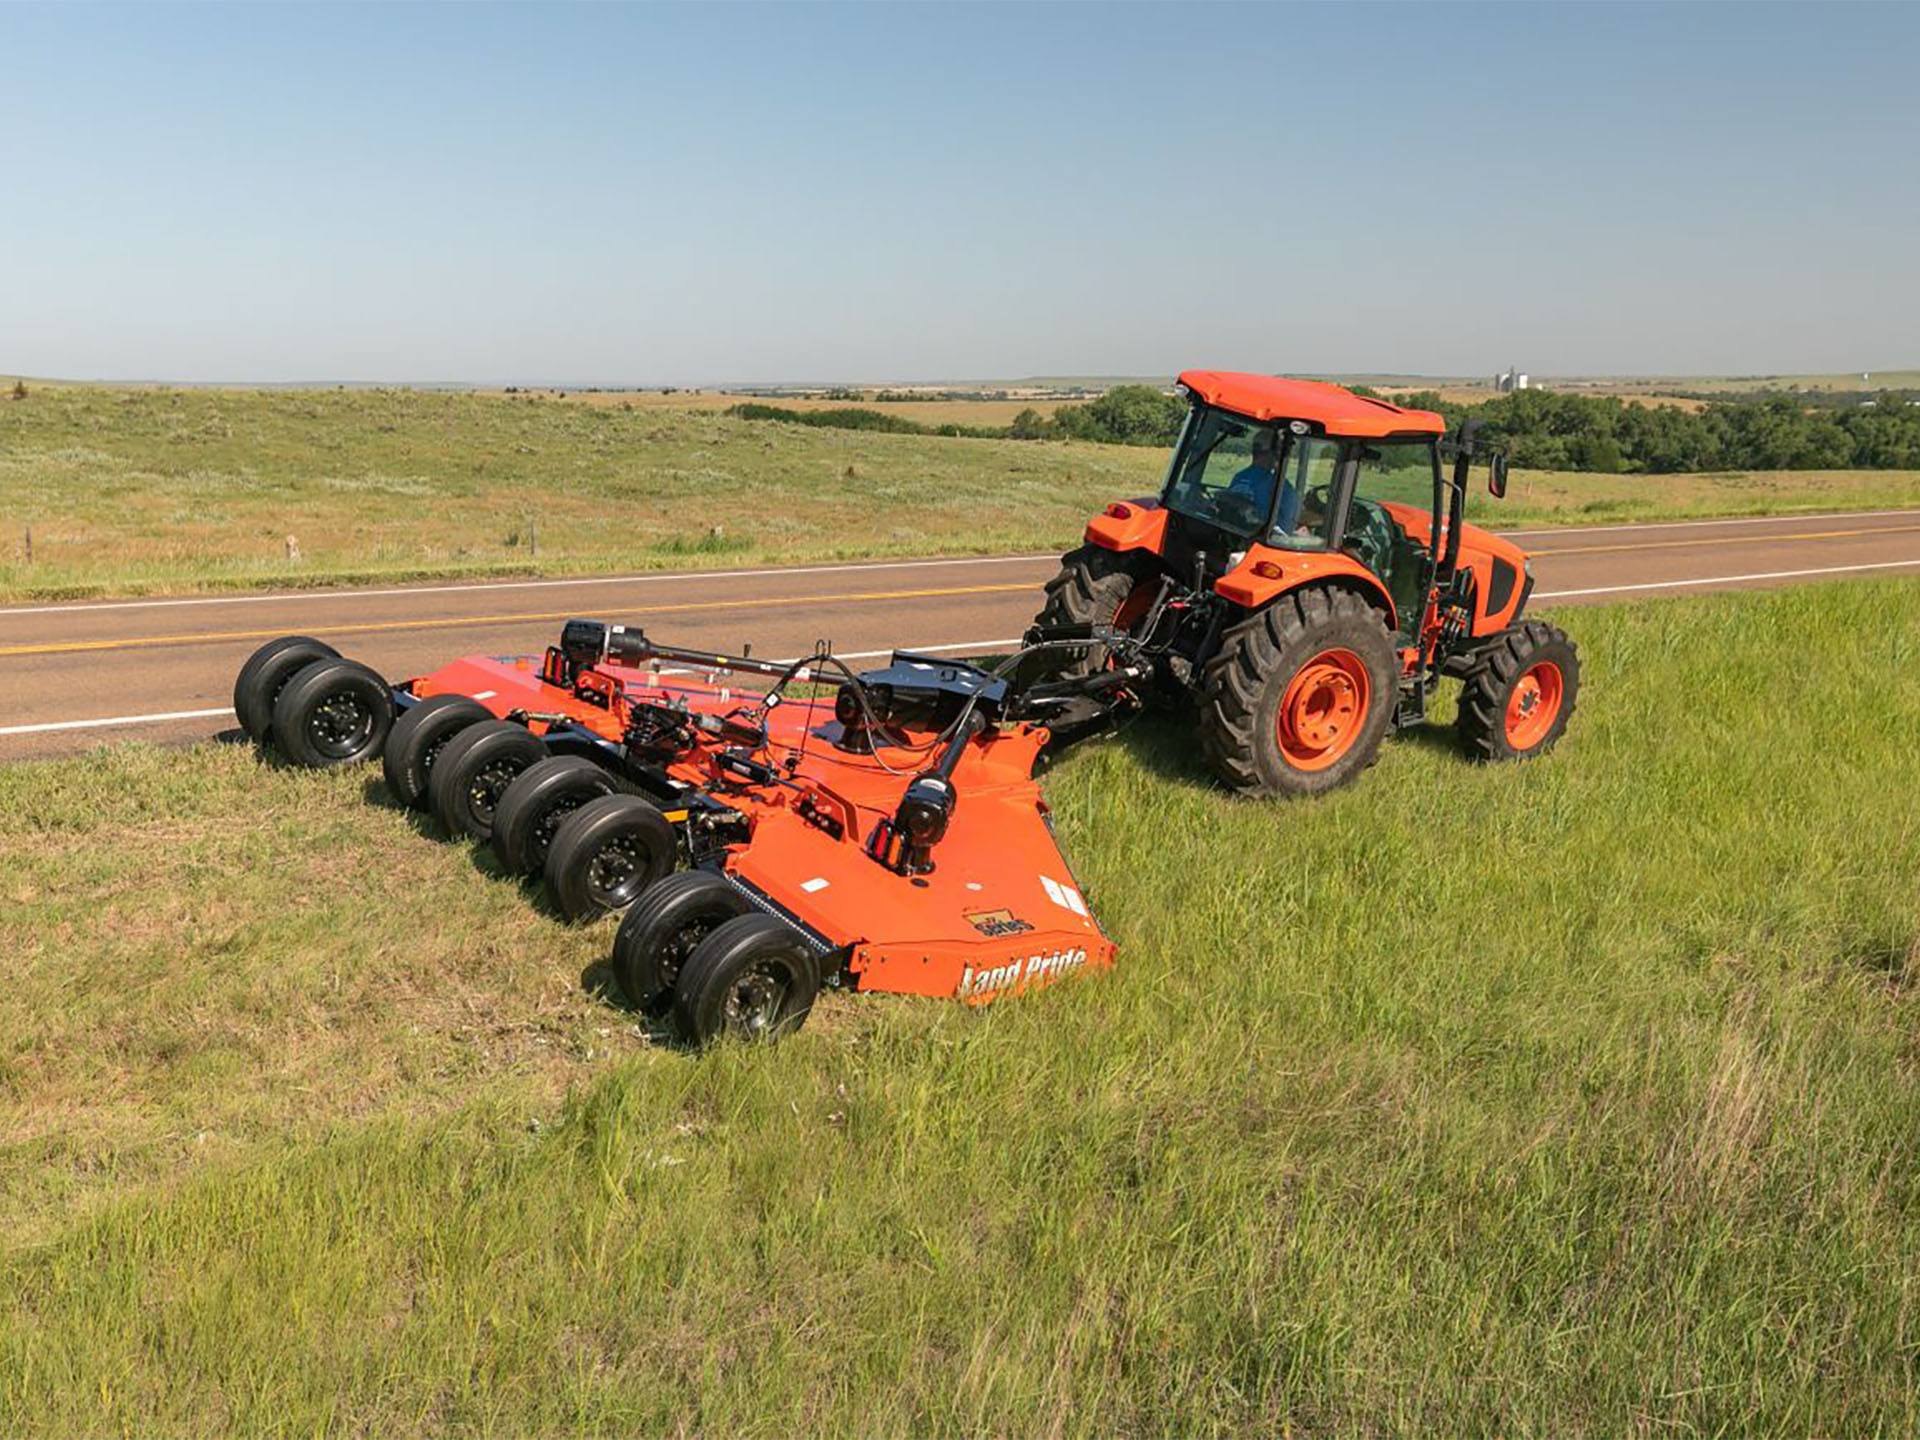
x=1094, y=587
x=1519, y=693
x=1299, y=695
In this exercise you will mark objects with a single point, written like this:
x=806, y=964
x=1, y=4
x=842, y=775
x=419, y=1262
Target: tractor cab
x=1287, y=482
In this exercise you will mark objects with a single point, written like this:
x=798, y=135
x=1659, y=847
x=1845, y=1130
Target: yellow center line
x=367, y=627
x=1727, y=540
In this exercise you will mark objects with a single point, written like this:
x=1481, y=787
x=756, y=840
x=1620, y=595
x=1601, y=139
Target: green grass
x=153, y=490
x=1568, y=1099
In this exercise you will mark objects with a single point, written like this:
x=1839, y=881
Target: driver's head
x=1266, y=449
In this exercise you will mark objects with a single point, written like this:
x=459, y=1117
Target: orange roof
x=1341, y=412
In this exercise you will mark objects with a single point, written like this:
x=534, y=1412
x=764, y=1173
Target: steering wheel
x=1370, y=535
x=1240, y=512
x=1313, y=507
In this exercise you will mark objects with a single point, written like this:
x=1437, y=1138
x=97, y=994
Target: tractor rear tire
x=1092, y=588
x=332, y=712
x=418, y=737
x=664, y=927
x=1299, y=695
x=754, y=978
x=1519, y=694
x=535, y=804
x=606, y=854
x=473, y=772
x=266, y=674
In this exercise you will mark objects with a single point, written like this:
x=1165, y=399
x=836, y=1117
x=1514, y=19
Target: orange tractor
x=1308, y=576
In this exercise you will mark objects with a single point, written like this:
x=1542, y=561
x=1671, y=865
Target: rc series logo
x=1018, y=974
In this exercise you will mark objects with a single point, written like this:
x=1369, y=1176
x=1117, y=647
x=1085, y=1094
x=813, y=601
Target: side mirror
x=1497, y=477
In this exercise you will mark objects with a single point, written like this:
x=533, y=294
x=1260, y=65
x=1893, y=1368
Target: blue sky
x=700, y=194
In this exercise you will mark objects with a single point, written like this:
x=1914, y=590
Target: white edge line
x=1781, y=519
x=110, y=721
x=662, y=577
x=1727, y=579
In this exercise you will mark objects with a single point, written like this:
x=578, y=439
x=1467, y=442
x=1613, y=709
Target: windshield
x=1225, y=472
x=1229, y=473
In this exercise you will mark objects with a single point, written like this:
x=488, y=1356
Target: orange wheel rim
x=1323, y=710
x=1534, y=705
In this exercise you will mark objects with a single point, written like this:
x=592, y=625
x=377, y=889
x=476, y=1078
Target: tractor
x=1306, y=575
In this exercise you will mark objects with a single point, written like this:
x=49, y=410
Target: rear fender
x=1264, y=574
x=1130, y=525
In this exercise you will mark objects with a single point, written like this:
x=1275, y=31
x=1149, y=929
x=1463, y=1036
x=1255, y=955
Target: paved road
x=77, y=675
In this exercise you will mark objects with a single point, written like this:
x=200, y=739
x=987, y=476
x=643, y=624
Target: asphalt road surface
x=77, y=675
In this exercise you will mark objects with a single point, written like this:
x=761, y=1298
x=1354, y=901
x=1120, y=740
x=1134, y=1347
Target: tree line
x=1541, y=429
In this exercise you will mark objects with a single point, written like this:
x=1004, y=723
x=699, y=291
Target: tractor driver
x=1255, y=483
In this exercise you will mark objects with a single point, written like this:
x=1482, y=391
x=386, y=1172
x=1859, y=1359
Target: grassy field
x=134, y=491
x=1570, y=1099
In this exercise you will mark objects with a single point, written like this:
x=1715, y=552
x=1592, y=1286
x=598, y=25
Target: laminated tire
x=606, y=854
x=266, y=674
x=418, y=737
x=332, y=712
x=754, y=978
x=664, y=927
x=474, y=770
x=535, y=804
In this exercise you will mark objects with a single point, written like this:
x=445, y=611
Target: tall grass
x=1573, y=1098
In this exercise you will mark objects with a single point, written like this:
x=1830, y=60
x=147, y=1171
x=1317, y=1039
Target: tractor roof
x=1340, y=412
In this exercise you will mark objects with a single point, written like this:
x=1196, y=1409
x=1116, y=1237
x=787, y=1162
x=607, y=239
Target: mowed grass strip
x=153, y=490
x=1572, y=1098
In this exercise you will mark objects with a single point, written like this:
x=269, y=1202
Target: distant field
x=1715, y=384
x=929, y=412
x=1585, y=1110
x=133, y=491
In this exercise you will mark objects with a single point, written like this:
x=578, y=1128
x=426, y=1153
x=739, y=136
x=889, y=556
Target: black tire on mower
x=606, y=854
x=266, y=674
x=754, y=978
x=1091, y=586
x=1252, y=675
x=418, y=737
x=663, y=928
x=535, y=804
x=473, y=772
x=1495, y=723
x=332, y=712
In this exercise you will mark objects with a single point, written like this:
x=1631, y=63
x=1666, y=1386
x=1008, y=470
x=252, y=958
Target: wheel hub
x=1534, y=706
x=340, y=725
x=1323, y=710
x=487, y=787
x=754, y=1001
x=613, y=872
